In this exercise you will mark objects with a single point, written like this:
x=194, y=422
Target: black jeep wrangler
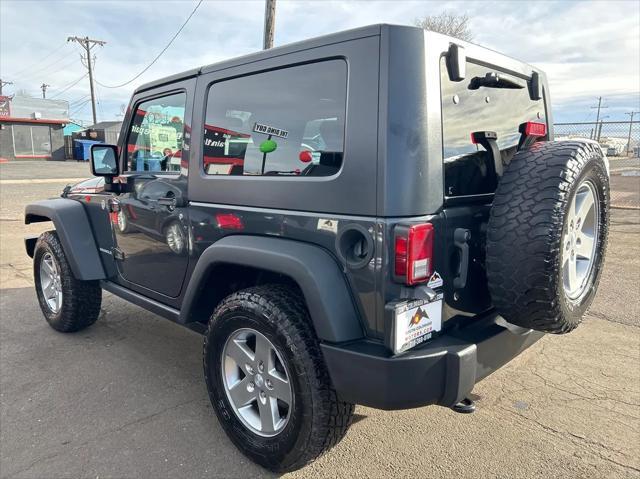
x=376, y=217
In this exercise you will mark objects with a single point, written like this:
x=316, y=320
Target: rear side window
x=469, y=106
x=287, y=122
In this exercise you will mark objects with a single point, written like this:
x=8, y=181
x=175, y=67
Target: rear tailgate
x=487, y=100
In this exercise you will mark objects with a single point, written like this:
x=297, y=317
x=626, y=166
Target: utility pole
x=599, y=107
x=3, y=83
x=630, y=126
x=269, y=21
x=44, y=87
x=88, y=43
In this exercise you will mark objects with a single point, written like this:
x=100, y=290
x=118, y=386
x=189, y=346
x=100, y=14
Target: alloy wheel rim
x=50, y=282
x=175, y=239
x=579, y=241
x=257, y=382
x=122, y=221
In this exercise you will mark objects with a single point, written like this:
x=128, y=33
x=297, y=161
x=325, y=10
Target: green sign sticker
x=267, y=146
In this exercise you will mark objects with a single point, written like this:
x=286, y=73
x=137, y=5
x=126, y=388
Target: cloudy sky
x=588, y=49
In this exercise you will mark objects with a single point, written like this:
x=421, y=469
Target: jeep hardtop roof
x=346, y=35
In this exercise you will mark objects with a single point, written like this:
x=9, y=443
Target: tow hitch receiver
x=466, y=406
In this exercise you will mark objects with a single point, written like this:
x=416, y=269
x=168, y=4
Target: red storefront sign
x=5, y=106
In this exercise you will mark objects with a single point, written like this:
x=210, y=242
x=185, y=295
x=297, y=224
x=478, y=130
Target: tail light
x=535, y=129
x=413, y=253
x=530, y=132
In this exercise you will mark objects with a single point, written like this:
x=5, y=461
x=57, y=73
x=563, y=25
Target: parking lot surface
x=126, y=397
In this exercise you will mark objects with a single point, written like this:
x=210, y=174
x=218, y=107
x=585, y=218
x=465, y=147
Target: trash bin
x=82, y=149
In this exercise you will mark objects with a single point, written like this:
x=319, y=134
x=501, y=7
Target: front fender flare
x=332, y=310
x=74, y=230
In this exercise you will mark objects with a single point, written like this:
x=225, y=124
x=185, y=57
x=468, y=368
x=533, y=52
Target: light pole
x=269, y=21
x=88, y=43
x=630, y=126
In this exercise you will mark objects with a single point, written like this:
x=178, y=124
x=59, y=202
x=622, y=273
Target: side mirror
x=104, y=160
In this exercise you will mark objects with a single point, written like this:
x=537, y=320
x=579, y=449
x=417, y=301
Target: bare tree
x=448, y=23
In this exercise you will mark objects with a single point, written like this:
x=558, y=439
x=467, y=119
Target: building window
x=31, y=141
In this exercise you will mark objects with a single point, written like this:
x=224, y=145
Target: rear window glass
x=467, y=107
x=287, y=122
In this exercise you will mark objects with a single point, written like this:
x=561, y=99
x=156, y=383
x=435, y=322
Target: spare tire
x=547, y=235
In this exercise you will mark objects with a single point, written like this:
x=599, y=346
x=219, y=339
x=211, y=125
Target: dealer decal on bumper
x=416, y=321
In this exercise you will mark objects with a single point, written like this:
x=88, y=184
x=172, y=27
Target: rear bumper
x=443, y=371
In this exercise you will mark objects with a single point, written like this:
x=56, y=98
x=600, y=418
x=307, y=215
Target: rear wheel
x=268, y=382
x=123, y=222
x=547, y=235
x=67, y=303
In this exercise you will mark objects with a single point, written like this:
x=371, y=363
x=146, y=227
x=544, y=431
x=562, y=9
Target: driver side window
x=154, y=142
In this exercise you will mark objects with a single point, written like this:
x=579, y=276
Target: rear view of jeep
x=378, y=217
x=492, y=233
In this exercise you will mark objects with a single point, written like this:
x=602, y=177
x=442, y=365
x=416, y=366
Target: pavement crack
x=15, y=270
x=144, y=419
x=137, y=421
x=577, y=439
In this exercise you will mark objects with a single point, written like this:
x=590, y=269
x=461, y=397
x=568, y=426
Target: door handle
x=461, y=237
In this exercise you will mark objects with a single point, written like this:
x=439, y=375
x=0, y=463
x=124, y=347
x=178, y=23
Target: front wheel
x=67, y=303
x=267, y=379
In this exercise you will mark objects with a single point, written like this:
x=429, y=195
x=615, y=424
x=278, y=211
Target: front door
x=150, y=220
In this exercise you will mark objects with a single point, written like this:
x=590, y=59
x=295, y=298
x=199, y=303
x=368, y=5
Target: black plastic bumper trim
x=442, y=371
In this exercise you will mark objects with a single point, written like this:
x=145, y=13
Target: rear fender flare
x=325, y=289
x=74, y=230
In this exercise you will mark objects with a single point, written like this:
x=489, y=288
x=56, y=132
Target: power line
x=73, y=61
x=44, y=68
x=79, y=108
x=3, y=83
x=77, y=101
x=99, y=103
x=73, y=82
x=159, y=54
x=70, y=86
x=55, y=50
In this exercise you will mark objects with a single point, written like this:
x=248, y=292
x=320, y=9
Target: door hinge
x=117, y=254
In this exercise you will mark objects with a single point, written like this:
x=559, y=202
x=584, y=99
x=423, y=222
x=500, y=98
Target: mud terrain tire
x=538, y=234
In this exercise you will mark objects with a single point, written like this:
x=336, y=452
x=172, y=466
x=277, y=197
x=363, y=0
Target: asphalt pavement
x=126, y=397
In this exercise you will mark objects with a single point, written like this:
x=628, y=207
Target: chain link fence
x=620, y=140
